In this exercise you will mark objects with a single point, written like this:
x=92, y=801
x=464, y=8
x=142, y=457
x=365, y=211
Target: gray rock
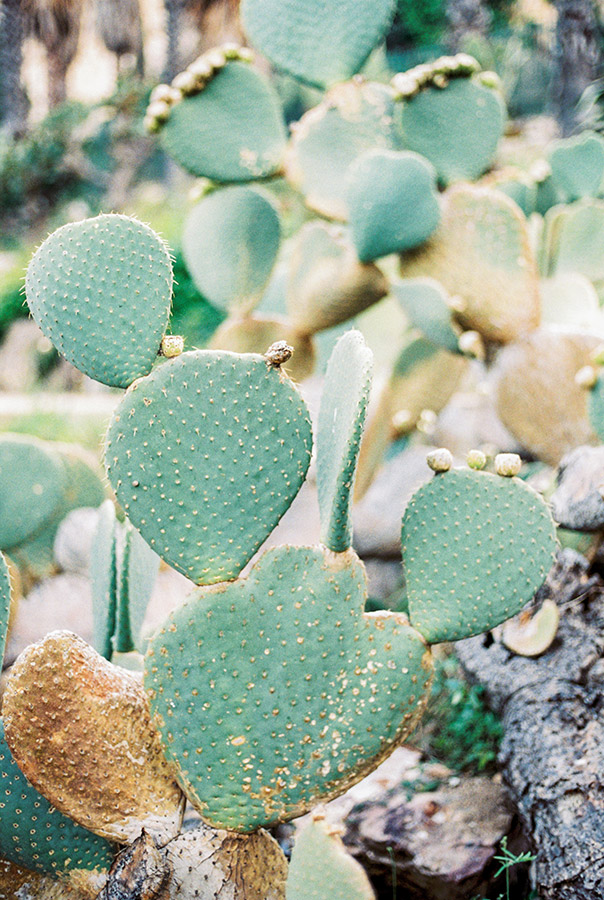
x=577, y=502
x=73, y=541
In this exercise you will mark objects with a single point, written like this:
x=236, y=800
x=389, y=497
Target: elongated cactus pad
x=392, y=202
x=32, y=482
x=103, y=580
x=457, y=128
x=100, y=290
x=37, y=836
x=206, y=455
x=327, y=284
x=232, y=130
x=321, y=868
x=596, y=407
x=275, y=691
x=352, y=117
x=577, y=165
x=79, y=730
x=572, y=239
x=427, y=306
x=341, y=421
x=476, y=547
x=254, y=333
x=139, y=566
x=230, y=243
x=5, y=604
x=318, y=42
x=482, y=254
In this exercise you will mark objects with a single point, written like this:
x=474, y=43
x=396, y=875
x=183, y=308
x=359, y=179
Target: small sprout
x=231, y=50
x=159, y=110
x=405, y=86
x=466, y=64
x=471, y=344
x=402, y=423
x=172, y=345
x=427, y=421
x=532, y=635
x=216, y=57
x=508, y=464
x=164, y=93
x=246, y=54
x=151, y=124
x=586, y=377
x=476, y=459
x=444, y=66
x=440, y=460
x=187, y=83
x=278, y=353
x=490, y=80
x=201, y=68
x=422, y=73
x=598, y=355
x=440, y=81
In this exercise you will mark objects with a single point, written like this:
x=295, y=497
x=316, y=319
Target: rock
x=63, y=602
x=73, y=541
x=469, y=422
x=384, y=577
x=377, y=517
x=578, y=501
x=18, y=356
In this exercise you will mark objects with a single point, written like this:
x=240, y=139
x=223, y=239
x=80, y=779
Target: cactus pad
x=482, y=254
x=139, y=566
x=232, y=130
x=577, y=165
x=206, y=455
x=392, y=202
x=572, y=239
x=80, y=732
x=596, y=407
x=426, y=305
x=321, y=866
x=476, y=547
x=352, y=118
x=457, y=128
x=340, y=429
x=327, y=284
x=275, y=691
x=230, y=243
x=100, y=290
x=37, y=836
x=5, y=604
x=318, y=42
x=32, y=483
x=103, y=580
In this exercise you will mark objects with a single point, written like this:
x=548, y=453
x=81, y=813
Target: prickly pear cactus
x=429, y=308
x=139, y=566
x=80, y=732
x=392, y=202
x=318, y=42
x=100, y=290
x=226, y=123
x=205, y=456
x=104, y=580
x=37, y=836
x=577, y=166
x=230, y=243
x=275, y=691
x=340, y=429
x=476, y=547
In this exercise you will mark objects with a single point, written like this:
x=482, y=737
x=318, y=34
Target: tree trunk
x=465, y=19
x=578, y=57
x=552, y=754
x=13, y=101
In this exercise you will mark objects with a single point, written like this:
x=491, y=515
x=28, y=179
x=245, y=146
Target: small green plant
x=507, y=860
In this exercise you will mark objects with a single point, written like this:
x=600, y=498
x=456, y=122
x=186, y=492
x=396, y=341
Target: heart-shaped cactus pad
x=275, y=692
x=205, y=456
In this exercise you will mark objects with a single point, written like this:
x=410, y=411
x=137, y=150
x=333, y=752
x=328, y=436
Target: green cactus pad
x=596, y=407
x=340, y=429
x=232, y=130
x=206, y=455
x=4, y=604
x=577, y=165
x=32, y=483
x=476, y=547
x=138, y=574
x=572, y=240
x=519, y=186
x=230, y=243
x=275, y=692
x=352, y=118
x=457, y=128
x=426, y=305
x=482, y=255
x=254, y=333
x=318, y=42
x=103, y=580
x=100, y=291
x=37, y=836
x=321, y=867
x=327, y=284
x=392, y=202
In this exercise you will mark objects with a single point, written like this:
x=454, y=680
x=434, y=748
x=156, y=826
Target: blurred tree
x=56, y=24
x=211, y=21
x=578, y=57
x=466, y=19
x=13, y=102
x=118, y=23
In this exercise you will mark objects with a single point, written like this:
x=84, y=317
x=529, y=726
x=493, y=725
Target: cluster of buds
x=192, y=81
x=436, y=74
